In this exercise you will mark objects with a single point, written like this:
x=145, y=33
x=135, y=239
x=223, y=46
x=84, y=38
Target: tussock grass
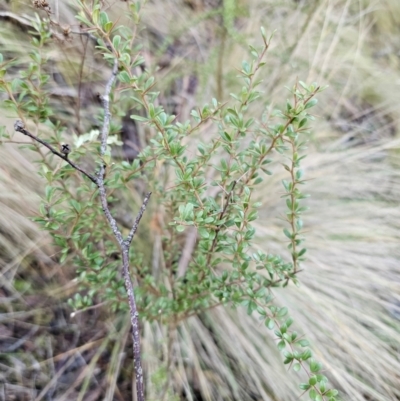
x=18, y=197
x=348, y=302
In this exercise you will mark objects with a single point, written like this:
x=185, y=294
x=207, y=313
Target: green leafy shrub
x=202, y=173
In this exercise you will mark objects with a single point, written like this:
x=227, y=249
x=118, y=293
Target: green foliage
x=202, y=184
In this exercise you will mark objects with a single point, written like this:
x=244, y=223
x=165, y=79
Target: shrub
x=202, y=175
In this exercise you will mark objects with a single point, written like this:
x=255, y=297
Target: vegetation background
x=348, y=304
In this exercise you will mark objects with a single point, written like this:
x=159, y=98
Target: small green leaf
x=286, y=185
x=116, y=41
x=49, y=191
x=332, y=393
x=203, y=232
x=103, y=18
x=108, y=26
x=139, y=118
x=304, y=85
x=287, y=233
x=263, y=34
x=251, y=307
x=304, y=386
x=270, y=323
x=124, y=77
x=303, y=343
x=302, y=252
x=76, y=205
x=283, y=311
x=261, y=311
x=303, y=122
x=311, y=103
x=306, y=355
x=315, y=366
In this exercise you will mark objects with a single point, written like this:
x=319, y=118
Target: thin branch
x=20, y=127
x=106, y=106
x=27, y=22
x=134, y=228
x=104, y=136
x=104, y=204
x=221, y=216
x=124, y=244
x=134, y=315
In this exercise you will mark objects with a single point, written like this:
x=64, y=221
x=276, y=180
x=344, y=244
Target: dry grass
x=348, y=304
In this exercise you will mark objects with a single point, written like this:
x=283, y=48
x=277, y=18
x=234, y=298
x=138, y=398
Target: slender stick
x=20, y=127
x=106, y=106
x=134, y=314
x=124, y=244
x=135, y=226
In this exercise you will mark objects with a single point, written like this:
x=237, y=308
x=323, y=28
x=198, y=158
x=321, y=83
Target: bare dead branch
x=20, y=127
